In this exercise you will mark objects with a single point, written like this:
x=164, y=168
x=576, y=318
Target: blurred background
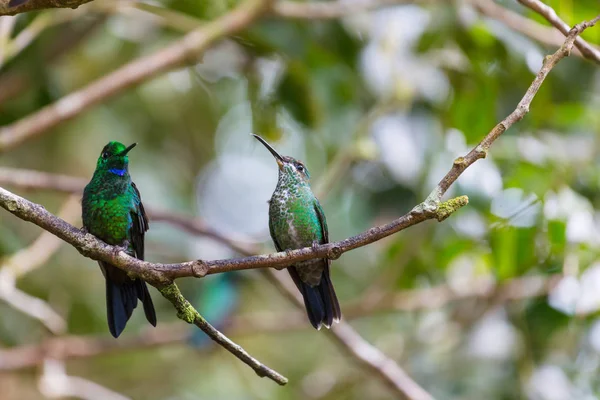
x=500, y=301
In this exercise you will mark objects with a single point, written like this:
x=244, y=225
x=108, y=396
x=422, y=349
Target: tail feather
x=144, y=296
x=326, y=283
x=122, y=299
x=314, y=305
x=118, y=307
x=320, y=301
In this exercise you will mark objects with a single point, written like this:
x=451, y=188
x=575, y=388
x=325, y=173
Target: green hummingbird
x=296, y=220
x=112, y=210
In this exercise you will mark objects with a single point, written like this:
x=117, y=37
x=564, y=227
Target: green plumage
x=297, y=220
x=112, y=211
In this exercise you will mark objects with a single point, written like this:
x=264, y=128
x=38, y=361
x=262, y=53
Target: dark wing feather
x=272, y=232
x=138, y=230
x=328, y=292
x=322, y=221
x=139, y=223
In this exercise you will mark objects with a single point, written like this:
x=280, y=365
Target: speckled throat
x=294, y=223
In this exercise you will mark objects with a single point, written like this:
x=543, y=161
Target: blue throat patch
x=117, y=171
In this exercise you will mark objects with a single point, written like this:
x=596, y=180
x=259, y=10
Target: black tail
x=320, y=301
x=122, y=298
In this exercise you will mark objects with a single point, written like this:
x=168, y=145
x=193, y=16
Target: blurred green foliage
x=450, y=75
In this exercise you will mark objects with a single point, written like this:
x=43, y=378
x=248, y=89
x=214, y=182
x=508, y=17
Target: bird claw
x=314, y=245
x=123, y=247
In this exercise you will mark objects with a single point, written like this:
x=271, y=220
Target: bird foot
x=314, y=245
x=124, y=247
x=287, y=252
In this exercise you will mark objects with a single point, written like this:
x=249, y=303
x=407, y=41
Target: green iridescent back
x=107, y=207
x=110, y=199
x=113, y=212
x=296, y=218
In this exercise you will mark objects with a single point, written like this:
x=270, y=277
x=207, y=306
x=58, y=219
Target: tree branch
x=74, y=347
x=351, y=342
x=187, y=313
x=519, y=23
x=15, y=81
x=159, y=274
x=169, y=290
x=38, y=180
x=7, y=8
x=329, y=9
x=480, y=151
x=28, y=259
x=56, y=384
x=184, y=50
x=164, y=274
x=550, y=15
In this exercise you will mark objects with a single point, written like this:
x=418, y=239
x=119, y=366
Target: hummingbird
x=297, y=220
x=112, y=210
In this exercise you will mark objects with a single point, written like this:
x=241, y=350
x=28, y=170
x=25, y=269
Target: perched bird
x=296, y=220
x=113, y=212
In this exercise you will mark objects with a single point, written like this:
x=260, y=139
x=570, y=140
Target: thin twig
x=362, y=351
x=56, y=384
x=430, y=208
x=31, y=306
x=550, y=15
x=329, y=9
x=184, y=50
x=74, y=347
x=187, y=313
x=519, y=23
x=38, y=180
x=39, y=310
x=375, y=360
x=480, y=151
x=32, y=5
x=162, y=274
x=15, y=81
x=34, y=30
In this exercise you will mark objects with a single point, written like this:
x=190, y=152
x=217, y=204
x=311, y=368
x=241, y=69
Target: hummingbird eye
x=105, y=155
x=300, y=168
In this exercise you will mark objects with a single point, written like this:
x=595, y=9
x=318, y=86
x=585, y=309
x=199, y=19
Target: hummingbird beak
x=280, y=161
x=124, y=152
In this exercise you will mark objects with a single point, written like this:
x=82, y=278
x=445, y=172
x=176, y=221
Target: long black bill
x=127, y=149
x=277, y=156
